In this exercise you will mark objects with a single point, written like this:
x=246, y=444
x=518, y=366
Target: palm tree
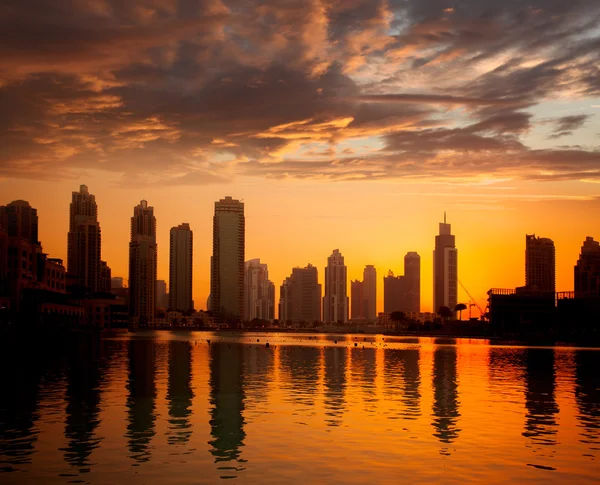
x=445, y=312
x=459, y=308
x=397, y=317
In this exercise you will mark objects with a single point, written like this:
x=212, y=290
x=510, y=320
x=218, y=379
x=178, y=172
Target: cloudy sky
x=351, y=124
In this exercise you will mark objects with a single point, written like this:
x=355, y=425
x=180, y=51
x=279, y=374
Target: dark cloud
x=199, y=91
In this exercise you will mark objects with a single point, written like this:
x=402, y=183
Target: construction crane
x=482, y=312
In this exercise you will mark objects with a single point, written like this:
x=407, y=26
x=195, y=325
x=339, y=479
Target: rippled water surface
x=183, y=408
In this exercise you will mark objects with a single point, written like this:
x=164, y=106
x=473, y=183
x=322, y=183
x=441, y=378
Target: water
x=170, y=408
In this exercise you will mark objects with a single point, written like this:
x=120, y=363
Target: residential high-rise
x=587, y=270
x=412, y=273
x=227, y=262
x=162, y=297
x=180, y=269
x=20, y=220
x=142, y=264
x=259, y=292
x=105, y=277
x=84, y=241
x=116, y=282
x=394, y=293
x=357, y=300
x=540, y=264
x=445, y=269
x=300, y=297
x=370, y=293
x=335, y=301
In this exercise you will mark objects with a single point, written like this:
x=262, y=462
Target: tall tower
x=300, y=296
x=335, y=301
x=587, y=270
x=227, y=262
x=445, y=269
x=540, y=265
x=142, y=264
x=259, y=292
x=180, y=269
x=357, y=300
x=369, y=307
x=412, y=274
x=84, y=240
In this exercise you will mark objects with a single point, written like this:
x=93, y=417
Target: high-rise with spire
x=142, y=264
x=445, y=269
x=227, y=262
x=180, y=269
x=84, y=241
x=335, y=301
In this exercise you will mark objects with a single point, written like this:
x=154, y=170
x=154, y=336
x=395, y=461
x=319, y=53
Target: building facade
x=162, y=297
x=105, y=277
x=84, y=241
x=335, y=301
x=587, y=270
x=369, y=307
x=540, y=263
x=142, y=264
x=180, y=269
x=445, y=269
x=394, y=293
x=227, y=262
x=357, y=300
x=259, y=292
x=412, y=274
x=300, y=297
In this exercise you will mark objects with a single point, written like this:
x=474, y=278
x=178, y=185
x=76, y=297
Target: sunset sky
x=352, y=124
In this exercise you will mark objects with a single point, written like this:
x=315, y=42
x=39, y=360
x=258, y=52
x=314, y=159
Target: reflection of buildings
x=227, y=400
x=20, y=375
x=445, y=394
x=587, y=395
x=301, y=368
x=83, y=402
x=540, y=421
x=335, y=384
x=412, y=380
x=142, y=393
x=179, y=392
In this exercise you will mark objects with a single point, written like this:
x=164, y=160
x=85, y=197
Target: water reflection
x=86, y=368
x=587, y=396
x=20, y=375
x=540, y=421
x=445, y=395
x=335, y=384
x=141, y=386
x=301, y=367
x=179, y=391
x=364, y=371
x=227, y=401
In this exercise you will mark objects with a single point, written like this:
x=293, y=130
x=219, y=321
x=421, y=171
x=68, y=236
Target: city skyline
x=201, y=280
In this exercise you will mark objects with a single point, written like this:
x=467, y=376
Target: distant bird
x=355, y=344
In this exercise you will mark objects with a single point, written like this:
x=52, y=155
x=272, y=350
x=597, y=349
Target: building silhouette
x=445, y=269
x=300, y=296
x=394, y=293
x=412, y=275
x=180, y=269
x=105, y=277
x=445, y=395
x=540, y=264
x=363, y=296
x=162, y=297
x=587, y=270
x=227, y=262
x=179, y=391
x=259, y=292
x=142, y=264
x=84, y=241
x=335, y=301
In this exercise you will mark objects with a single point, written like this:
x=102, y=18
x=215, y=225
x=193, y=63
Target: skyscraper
x=394, y=293
x=412, y=273
x=335, y=301
x=180, y=269
x=259, y=292
x=142, y=264
x=105, y=277
x=227, y=262
x=357, y=300
x=587, y=270
x=445, y=269
x=370, y=293
x=540, y=265
x=300, y=296
x=20, y=220
x=162, y=297
x=84, y=241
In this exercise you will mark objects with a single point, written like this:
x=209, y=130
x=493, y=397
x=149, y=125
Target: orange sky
x=292, y=223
